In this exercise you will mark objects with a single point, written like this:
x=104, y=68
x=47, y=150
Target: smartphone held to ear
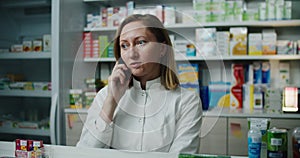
x=127, y=72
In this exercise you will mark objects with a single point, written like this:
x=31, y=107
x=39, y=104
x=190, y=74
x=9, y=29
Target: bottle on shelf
x=254, y=143
x=296, y=142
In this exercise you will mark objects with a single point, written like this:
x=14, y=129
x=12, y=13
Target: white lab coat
x=154, y=119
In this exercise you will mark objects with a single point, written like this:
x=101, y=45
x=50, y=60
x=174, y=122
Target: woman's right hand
x=117, y=85
x=118, y=81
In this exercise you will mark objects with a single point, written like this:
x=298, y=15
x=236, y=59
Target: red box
x=29, y=145
x=236, y=91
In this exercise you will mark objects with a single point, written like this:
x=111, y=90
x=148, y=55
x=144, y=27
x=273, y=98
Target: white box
x=269, y=42
x=206, y=48
x=284, y=74
x=255, y=44
x=47, y=43
x=222, y=40
x=271, y=14
x=27, y=46
x=170, y=17
x=205, y=34
x=285, y=47
x=37, y=45
x=180, y=45
x=279, y=9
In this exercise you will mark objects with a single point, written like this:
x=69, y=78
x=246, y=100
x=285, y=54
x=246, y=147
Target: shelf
x=101, y=29
x=26, y=55
x=25, y=131
x=97, y=0
x=25, y=93
x=28, y=3
x=137, y=2
x=226, y=112
x=275, y=23
x=240, y=57
x=99, y=60
x=76, y=111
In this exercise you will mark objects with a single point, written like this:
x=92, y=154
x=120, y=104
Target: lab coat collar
x=149, y=84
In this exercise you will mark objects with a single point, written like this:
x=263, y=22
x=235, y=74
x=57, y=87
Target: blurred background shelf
x=26, y=55
x=25, y=131
x=25, y=93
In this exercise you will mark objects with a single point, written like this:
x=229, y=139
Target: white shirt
x=154, y=119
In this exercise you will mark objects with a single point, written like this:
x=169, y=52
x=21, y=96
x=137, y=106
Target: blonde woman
x=143, y=108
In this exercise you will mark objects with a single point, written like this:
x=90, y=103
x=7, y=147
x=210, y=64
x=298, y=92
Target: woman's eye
x=124, y=46
x=141, y=42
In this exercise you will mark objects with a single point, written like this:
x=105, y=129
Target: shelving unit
x=26, y=21
x=288, y=29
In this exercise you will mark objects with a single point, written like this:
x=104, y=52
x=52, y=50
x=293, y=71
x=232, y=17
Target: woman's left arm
x=188, y=123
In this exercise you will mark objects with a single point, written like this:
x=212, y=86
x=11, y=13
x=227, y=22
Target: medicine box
x=27, y=46
x=37, y=45
x=284, y=73
x=47, y=43
x=255, y=44
x=222, y=40
x=238, y=41
x=219, y=94
x=269, y=43
x=188, y=73
x=236, y=91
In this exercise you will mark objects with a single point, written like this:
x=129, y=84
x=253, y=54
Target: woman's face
x=140, y=51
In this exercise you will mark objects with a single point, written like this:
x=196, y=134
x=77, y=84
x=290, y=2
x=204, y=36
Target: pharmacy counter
x=222, y=112
x=55, y=151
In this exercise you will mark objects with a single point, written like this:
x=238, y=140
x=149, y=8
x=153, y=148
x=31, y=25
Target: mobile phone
x=127, y=72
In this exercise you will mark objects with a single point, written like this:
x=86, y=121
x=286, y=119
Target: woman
x=143, y=108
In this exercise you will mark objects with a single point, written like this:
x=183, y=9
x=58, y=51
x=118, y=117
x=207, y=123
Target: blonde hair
x=169, y=78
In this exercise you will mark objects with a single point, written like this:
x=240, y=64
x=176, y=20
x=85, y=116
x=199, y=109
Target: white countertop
x=221, y=112
x=57, y=151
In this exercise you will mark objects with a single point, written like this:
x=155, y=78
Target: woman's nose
x=133, y=52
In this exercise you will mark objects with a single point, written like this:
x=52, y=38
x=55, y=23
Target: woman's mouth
x=135, y=64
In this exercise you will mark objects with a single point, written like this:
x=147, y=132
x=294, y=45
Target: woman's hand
x=118, y=81
x=117, y=85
